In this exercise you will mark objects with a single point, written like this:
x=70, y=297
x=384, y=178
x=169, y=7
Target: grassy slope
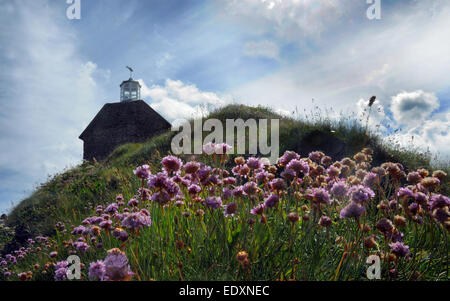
x=70, y=194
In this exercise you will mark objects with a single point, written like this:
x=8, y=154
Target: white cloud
x=177, y=100
x=191, y=94
x=433, y=136
x=263, y=48
x=283, y=112
x=404, y=53
x=291, y=19
x=412, y=108
x=49, y=92
x=397, y=42
x=173, y=109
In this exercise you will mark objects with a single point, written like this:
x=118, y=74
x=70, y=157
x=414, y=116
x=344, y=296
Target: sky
x=56, y=73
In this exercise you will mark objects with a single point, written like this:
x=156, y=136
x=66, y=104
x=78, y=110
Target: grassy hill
x=73, y=195
x=70, y=193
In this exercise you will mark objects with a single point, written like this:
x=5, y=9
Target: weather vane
x=131, y=71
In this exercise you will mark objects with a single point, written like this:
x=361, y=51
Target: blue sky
x=57, y=73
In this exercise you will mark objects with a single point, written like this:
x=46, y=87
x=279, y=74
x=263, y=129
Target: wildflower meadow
x=217, y=217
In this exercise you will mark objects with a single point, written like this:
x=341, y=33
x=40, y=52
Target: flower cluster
x=115, y=267
x=314, y=192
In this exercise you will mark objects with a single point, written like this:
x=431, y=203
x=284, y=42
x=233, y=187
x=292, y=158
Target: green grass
x=276, y=250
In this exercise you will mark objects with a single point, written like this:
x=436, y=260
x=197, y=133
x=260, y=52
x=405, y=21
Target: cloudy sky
x=57, y=73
